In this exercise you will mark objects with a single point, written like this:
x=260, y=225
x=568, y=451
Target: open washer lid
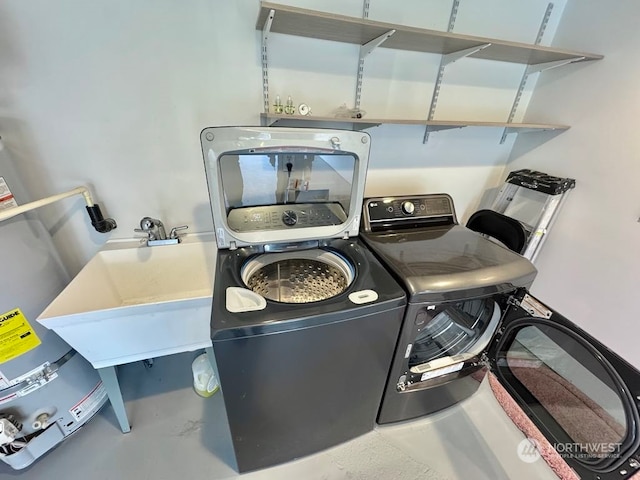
x=281, y=185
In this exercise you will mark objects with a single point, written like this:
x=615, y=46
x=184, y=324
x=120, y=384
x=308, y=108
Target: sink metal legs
x=111, y=385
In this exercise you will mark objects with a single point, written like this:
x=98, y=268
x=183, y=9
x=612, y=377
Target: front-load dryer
x=453, y=278
x=469, y=311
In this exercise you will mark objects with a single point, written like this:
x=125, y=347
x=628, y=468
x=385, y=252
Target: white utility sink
x=132, y=302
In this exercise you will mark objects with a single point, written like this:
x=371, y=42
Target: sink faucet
x=156, y=234
x=153, y=227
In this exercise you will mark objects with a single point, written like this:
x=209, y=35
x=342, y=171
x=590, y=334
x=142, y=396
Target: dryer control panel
x=409, y=211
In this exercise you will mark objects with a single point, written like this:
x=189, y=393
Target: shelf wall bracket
x=447, y=59
x=370, y=46
x=531, y=69
x=265, y=60
x=437, y=128
x=444, y=61
x=365, y=50
x=509, y=130
x=455, y=56
x=541, y=67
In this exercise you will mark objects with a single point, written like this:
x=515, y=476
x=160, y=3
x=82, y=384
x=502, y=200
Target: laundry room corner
x=339, y=239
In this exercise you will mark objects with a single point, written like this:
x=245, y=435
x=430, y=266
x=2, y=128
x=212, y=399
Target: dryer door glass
x=453, y=332
x=564, y=380
x=578, y=393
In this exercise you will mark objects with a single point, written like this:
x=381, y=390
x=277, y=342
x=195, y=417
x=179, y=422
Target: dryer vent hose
x=101, y=224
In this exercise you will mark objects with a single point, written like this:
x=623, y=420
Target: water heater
x=47, y=390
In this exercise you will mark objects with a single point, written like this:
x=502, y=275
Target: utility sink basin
x=133, y=302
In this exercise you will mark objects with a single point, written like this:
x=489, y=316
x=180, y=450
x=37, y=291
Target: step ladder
x=524, y=210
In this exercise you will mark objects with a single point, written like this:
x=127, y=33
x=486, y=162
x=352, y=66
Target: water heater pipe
x=101, y=224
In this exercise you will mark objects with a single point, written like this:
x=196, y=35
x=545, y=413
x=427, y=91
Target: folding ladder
x=526, y=207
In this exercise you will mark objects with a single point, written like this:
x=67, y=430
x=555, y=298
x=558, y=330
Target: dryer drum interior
x=298, y=277
x=455, y=329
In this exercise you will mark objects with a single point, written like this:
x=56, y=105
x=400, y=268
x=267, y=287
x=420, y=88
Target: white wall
x=590, y=265
x=113, y=94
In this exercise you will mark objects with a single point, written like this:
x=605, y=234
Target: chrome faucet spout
x=154, y=228
x=156, y=234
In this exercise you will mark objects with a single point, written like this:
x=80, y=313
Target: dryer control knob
x=408, y=207
x=289, y=218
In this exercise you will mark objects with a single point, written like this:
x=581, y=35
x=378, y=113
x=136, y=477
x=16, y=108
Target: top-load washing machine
x=469, y=311
x=305, y=319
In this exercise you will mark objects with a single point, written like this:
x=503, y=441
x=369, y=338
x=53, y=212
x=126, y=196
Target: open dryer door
x=580, y=395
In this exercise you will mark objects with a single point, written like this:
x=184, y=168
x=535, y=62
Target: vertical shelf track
x=444, y=61
x=365, y=50
x=265, y=60
x=537, y=68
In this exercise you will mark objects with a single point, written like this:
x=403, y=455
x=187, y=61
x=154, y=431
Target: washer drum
x=298, y=277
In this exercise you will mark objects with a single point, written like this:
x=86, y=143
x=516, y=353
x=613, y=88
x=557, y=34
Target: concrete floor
x=176, y=434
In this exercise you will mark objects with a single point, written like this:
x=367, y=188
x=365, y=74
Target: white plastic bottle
x=205, y=382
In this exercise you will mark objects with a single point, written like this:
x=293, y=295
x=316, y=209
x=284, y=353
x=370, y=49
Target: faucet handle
x=147, y=234
x=173, y=234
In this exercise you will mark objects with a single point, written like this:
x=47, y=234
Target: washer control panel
x=278, y=217
x=410, y=210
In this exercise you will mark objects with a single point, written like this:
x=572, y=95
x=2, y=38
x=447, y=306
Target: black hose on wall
x=101, y=224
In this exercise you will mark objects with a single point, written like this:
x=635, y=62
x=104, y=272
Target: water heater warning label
x=89, y=403
x=16, y=335
x=6, y=197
